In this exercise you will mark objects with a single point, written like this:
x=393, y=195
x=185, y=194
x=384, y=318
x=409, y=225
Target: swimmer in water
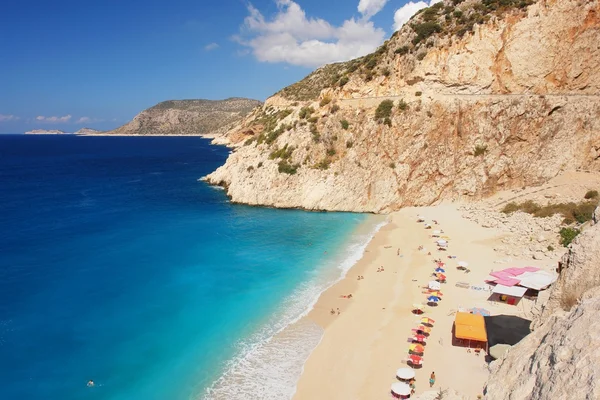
x=90, y=383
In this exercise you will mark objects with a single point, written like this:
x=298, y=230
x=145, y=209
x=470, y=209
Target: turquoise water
x=117, y=265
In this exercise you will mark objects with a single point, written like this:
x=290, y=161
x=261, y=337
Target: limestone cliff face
x=187, y=117
x=482, y=100
x=580, y=272
x=560, y=359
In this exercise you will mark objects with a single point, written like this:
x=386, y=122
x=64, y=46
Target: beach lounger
x=463, y=285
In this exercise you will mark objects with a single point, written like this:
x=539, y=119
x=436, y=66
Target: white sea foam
x=269, y=363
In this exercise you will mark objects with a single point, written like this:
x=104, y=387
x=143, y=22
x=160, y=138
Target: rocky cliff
x=468, y=98
x=561, y=358
x=188, y=117
x=87, y=131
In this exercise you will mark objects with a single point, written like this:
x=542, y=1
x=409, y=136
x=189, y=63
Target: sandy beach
x=368, y=341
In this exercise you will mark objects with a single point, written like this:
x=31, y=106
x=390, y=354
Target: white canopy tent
x=514, y=291
x=537, y=280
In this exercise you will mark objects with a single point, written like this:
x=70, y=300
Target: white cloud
x=41, y=118
x=368, y=8
x=83, y=120
x=9, y=117
x=292, y=37
x=403, y=14
x=211, y=46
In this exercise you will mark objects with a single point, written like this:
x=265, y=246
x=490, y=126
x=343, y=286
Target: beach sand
x=368, y=341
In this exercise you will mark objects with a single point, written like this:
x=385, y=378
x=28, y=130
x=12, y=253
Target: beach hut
x=405, y=374
x=401, y=390
x=471, y=328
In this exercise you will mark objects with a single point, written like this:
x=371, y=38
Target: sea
x=118, y=265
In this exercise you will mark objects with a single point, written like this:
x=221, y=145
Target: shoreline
x=363, y=346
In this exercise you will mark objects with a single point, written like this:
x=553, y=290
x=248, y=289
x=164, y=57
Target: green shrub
x=372, y=63
x=591, y=194
x=250, y=168
x=323, y=164
x=458, y=14
x=392, y=165
x=349, y=144
x=480, y=150
x=418, y=94
x=345, y=124
x=387, y=121
x=260, y=164
x=384, y=110
x=283, y=153
x=550, y=248
x=421, y=55
x=386, y=72
x=335, y=108
x=250, y=141
x=324, y=101
x=287, y=168
x=305, y=112
x=584, y=212
x=402, y=50
x=343, y=81
x=402, y=105
x=425, y=30
x=567, y=235
x=313, y=120
x=330, y=152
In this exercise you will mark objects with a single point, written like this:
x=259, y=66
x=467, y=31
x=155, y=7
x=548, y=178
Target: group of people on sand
x=360, y=278
x=333, y=312
x=380, y=269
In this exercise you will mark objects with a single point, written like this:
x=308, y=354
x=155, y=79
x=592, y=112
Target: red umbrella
x=419, y=338
x=441, y=277
x=415, y=359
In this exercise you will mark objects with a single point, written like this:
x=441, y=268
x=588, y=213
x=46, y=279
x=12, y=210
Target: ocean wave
x=268, y=363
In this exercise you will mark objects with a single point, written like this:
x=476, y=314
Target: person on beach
x=338, y=311
x=412, y=386
x=332, y=312
x=432, y=379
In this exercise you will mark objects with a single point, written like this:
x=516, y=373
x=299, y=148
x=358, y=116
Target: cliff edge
x=468, y=98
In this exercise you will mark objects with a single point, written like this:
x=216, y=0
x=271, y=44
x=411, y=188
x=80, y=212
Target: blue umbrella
x=434, y=299
x=440, y=270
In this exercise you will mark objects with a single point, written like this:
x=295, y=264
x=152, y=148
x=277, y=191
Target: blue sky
x=67, y=64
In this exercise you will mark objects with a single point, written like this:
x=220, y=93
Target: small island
x=44, y=132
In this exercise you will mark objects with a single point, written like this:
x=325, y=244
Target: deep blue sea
x=118, y=265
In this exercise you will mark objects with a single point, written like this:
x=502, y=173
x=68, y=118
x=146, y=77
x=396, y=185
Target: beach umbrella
x=441, y=277
x=419, y=338
x=418, y=307
x=405, y=373
x=434, y=285
x=423, y=329
x=415, y=359
x=400, y=389
x=416, y=348
x=499, y=350
x=433, y=299
x=442, y=242
x=438, y=269
x=427, y=320
x=480, y=311
x=463, y=264
x=437, y=232
x=436, y=293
